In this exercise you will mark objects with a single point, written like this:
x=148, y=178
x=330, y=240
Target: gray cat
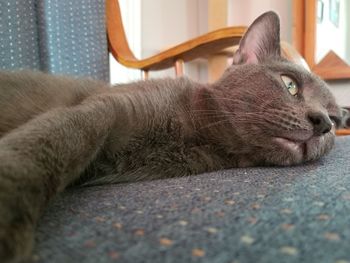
x=56, y=131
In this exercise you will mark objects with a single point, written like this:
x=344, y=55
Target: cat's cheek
x=319, y=146
x=289, y=152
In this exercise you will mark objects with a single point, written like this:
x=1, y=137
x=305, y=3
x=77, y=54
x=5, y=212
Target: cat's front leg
x=39, y=159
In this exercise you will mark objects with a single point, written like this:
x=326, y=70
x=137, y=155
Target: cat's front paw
x=16, y=242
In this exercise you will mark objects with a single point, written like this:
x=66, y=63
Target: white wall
x=341, y=91
x=166, y=23
x=244, y=12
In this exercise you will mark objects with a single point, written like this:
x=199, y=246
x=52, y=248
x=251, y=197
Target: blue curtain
x=56, y=36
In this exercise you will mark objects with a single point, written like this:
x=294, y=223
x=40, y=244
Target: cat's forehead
x=309, y=82
x=283, y=66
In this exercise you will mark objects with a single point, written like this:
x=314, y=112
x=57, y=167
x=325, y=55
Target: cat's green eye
x=290, y=84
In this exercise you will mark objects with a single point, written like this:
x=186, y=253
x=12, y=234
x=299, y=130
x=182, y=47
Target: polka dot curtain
x=58, y=36
x=18, y=35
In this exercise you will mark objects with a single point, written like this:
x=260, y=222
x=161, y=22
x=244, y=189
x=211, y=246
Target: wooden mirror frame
x=331, y=67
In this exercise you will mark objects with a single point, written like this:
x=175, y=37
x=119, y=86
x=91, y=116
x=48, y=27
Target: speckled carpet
x=297, y=214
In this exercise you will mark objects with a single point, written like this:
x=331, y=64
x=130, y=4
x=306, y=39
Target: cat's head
x=267, y=108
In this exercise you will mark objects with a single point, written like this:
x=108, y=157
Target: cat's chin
x=295, y=148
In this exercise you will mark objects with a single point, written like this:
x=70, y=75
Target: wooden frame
x=304, y=39
x=201, y=46
x=343, y=132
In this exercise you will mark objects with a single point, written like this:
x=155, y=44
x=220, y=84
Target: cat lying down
x=56, y=131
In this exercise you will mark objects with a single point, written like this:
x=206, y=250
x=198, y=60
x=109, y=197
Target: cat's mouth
x=295, y=150
x=295, y=142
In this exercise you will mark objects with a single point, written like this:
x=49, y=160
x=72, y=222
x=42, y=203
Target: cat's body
x=58, y=131
x=155, y=134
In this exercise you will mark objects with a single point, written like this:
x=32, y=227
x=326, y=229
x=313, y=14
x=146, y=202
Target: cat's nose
x=322, y=123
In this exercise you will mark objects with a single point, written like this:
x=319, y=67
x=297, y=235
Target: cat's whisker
x=219, y=111
x=213, y=115
x=227, y=113
x=235, y=100
x=214, y=124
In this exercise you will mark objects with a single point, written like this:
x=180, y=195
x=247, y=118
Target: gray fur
x=57, y=131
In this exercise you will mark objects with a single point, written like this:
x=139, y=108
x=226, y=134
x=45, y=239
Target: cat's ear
x=261, y=41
